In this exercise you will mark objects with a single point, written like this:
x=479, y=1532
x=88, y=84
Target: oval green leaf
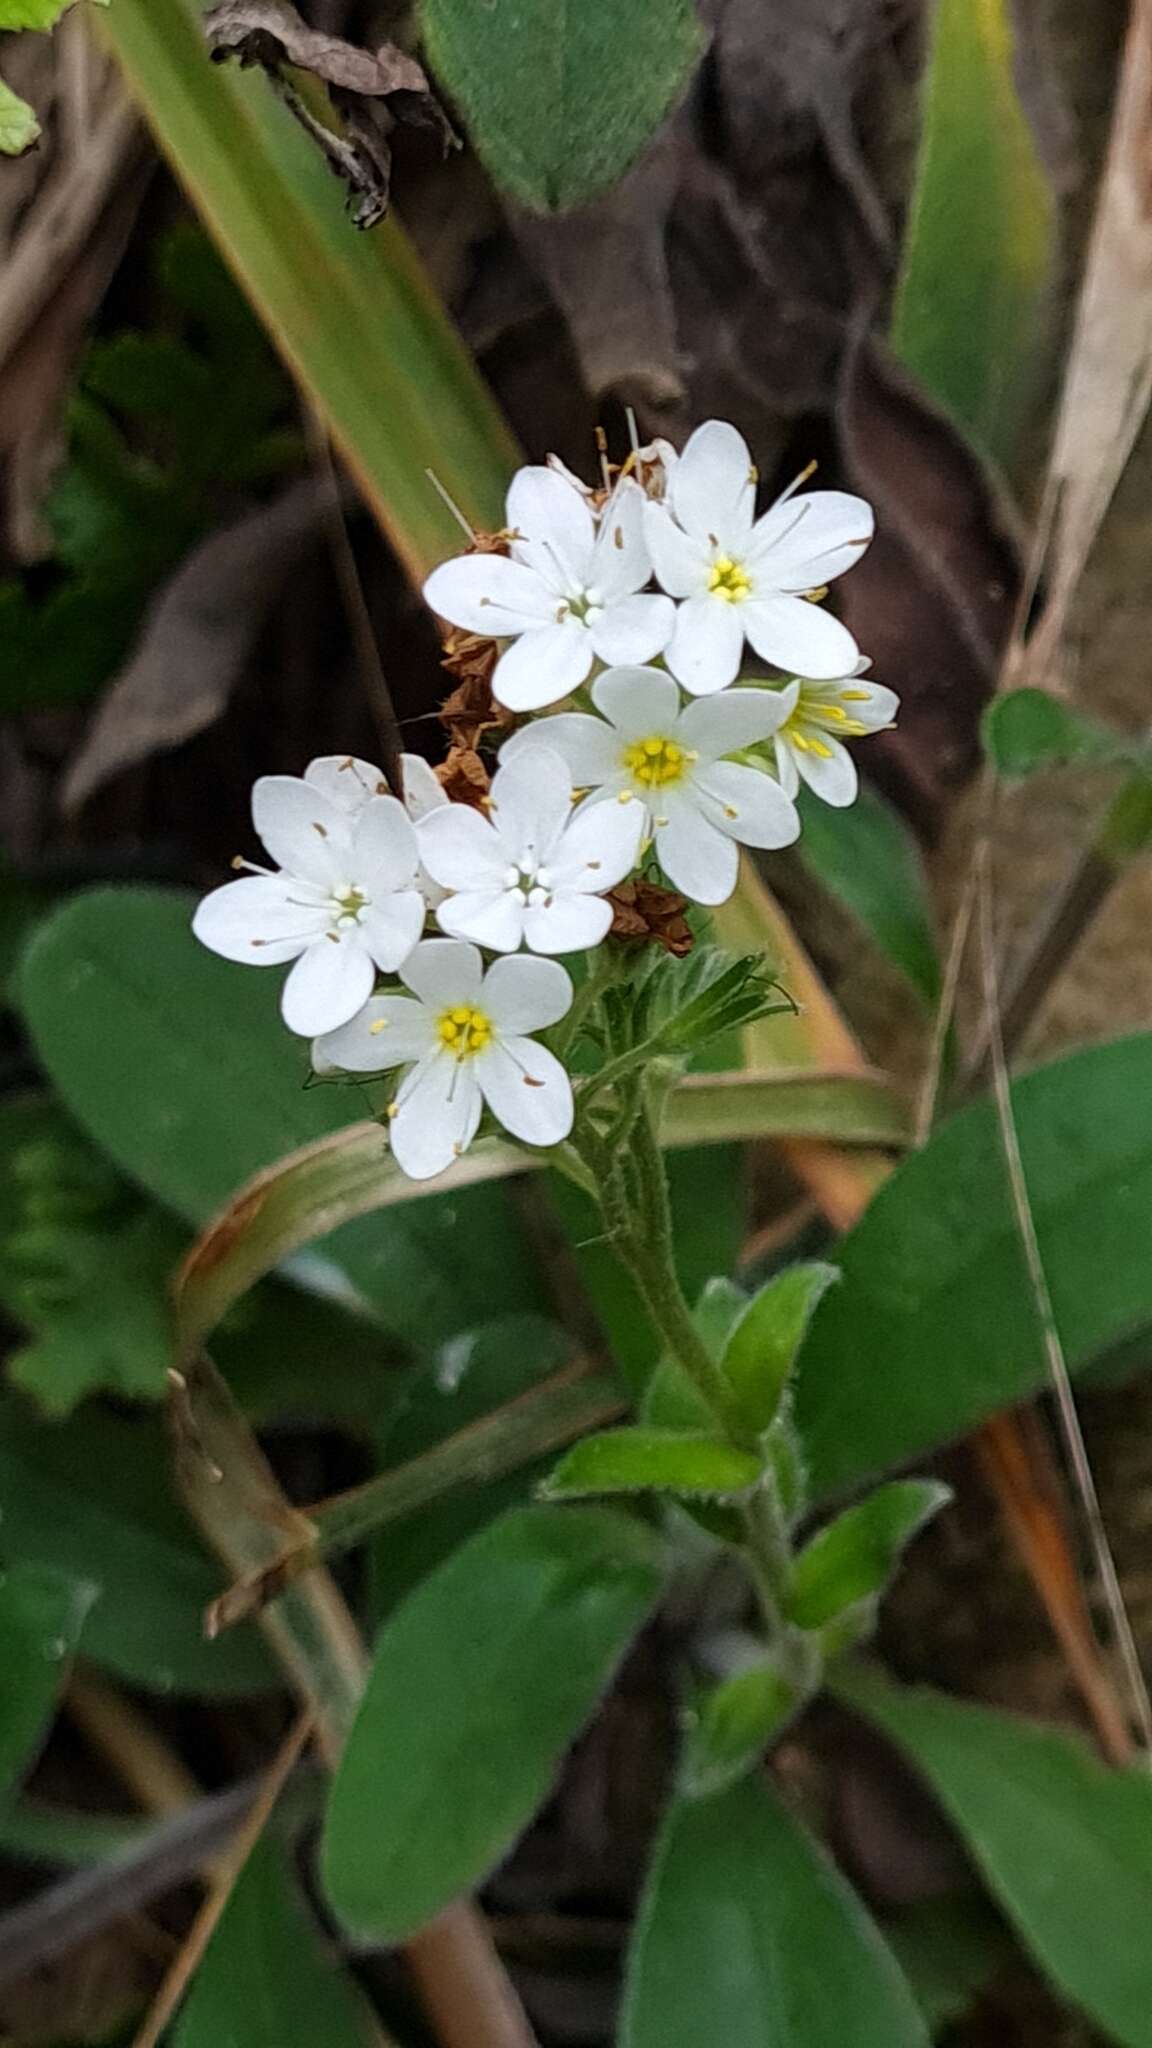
x=1064, y=1843
x=730, y=1727
x=761, y=1349
x=644, y=1460
x=854, y=1557
x=480, y=1681
x=561, y=95
x=934, y=1326
x=749, y=1936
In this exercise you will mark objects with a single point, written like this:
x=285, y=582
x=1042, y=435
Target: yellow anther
x=820, y=747
x=655, y=762
x=855, y=696
x=464, y=1030
x=815, y=596
x=381, y=1024
x=728, y=580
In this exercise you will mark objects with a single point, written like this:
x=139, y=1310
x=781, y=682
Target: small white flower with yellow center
x=344, y=901
x=809, y=745
x=529, y=870
x=644, y=750
x=571, y=592
x=465, y=1037
x=746, y=578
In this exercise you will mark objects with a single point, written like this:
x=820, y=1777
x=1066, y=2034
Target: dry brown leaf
x=1108, y=383
x=373, y=91
x=196, y=638
x=649, y=914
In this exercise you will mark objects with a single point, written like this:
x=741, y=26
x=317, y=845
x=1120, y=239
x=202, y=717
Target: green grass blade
x=353, y=314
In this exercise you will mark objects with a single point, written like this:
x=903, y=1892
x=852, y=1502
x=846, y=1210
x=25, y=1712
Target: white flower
x=821, y=716
x=351, y=783
x=344, y=902
x=569, y=593
x=742, y=577
x=530, y=871
x=463, y=1034
x=645, y=750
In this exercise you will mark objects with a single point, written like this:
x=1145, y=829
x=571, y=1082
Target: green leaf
x=19, y=128
x=561, y=95
x=948, y=1949
x=1027, y=730
x=92, y=1498
x=852, y=1560
x=969, y=309
x=761, y=1348
x=645, y=1460
x=479, y=1683
x=731, y=1725
x=1064, y=1843
x=267, y=1978
x=111, y=1330
x=749, y=1936
x=41, y=1615
x=41, y=14
x=866, y=857
x=226, y=1096
x=934, y=1326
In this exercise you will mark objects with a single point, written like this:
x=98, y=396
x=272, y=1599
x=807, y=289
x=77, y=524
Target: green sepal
x=731, y=1725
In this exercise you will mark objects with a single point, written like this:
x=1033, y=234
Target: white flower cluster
x=578, y=797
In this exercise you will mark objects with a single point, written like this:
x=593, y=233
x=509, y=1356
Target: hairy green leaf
x=646, y=1460
x=561, y=95
x=761, y=1349
x=731, y=1725
x=749, y=1936
x=480, y=1681
x=852, y=1560
x=1064, y=1843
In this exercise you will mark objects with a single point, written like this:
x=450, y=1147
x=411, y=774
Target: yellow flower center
x=728, y=580
x=655, y=762
x=464, y=1031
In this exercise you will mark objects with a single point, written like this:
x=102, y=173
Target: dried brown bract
x=651, y=915
x=375, y=92
x=464, y=777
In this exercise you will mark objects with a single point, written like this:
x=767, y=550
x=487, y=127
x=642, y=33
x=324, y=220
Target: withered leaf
x=373, y=91
x=649, y=914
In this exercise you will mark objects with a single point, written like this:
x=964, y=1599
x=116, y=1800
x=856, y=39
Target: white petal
x=489, y=594
x=543, y=666
x=706, y=645
x=567, y=923
x=589, y=747
x=555, y=528
x=712, y=489
x=599, y=847
x=526, y=1087
x=830, y=776
x=345, y=781
x=328, y=984
x=682, y=564
x=301, y=829
x=442, y=972
x=806, y=541
x=723, y=724
x=747, y=804
x=391, y=927
x=798, y=636
x=620, y=559
x=384, y=846
x=461, y=850
x=531, y=802
x=522, y=994
x=388, y=1032
x=489, y=917
x=633, y=629
x=787, y=774
x=638, y=701
x=880, y=710
x=256, y=922
x=697, y=859
x=437, y=1113
x=422, y=790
